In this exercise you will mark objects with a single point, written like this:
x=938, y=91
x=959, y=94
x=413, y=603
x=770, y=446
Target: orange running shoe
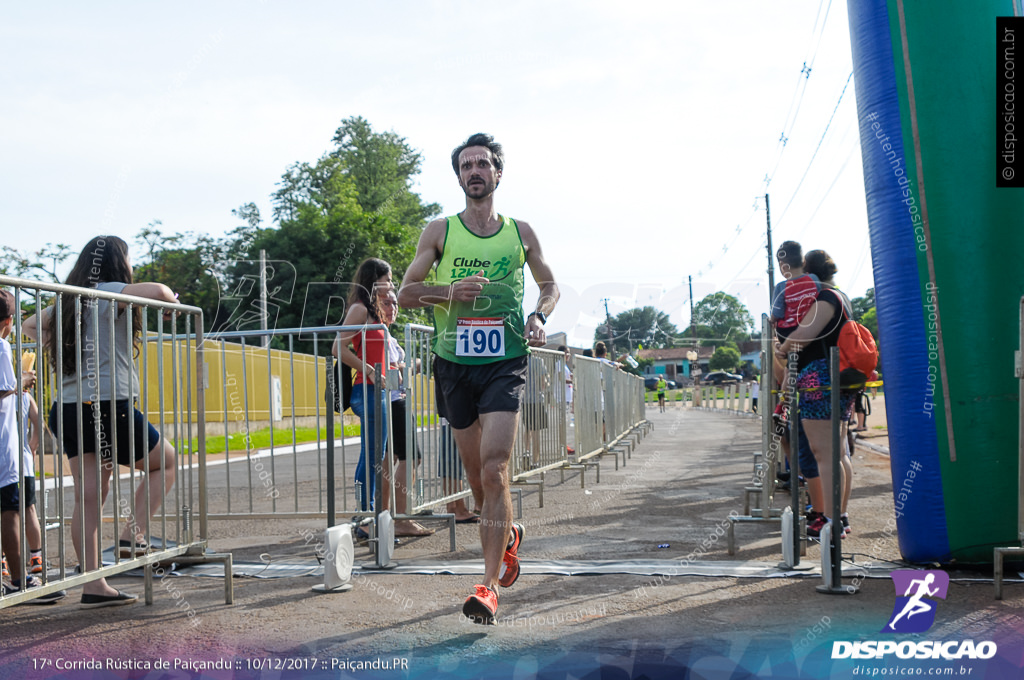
x=35, y=564
x=482, y=606
x=6, y=571
x=510, y=562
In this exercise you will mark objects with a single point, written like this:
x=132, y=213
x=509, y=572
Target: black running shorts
x=464, y=392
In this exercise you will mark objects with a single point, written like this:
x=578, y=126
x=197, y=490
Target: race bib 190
x=480, y=338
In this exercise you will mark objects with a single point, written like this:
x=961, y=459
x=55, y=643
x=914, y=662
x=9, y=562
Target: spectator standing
x=104, y=264
x=396, y=363
x=361, y=350
x=17, y=482
x=816, y=334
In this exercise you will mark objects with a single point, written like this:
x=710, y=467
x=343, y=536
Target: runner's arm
x=545, y=279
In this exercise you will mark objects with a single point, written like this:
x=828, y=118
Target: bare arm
x=152, y=290
x=36, y=426
x=811, y=328
x=415, y=293
x=545, y=279
x=357, y=316
x=30, y=326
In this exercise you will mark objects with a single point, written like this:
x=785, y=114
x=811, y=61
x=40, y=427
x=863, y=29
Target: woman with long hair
x=360, y=350
x=106, y=378
x=813, y=338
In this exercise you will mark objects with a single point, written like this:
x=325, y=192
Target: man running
x=481, y=345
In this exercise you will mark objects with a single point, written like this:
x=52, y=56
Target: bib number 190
x=480, y=338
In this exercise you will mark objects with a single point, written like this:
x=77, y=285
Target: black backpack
x=340, y=375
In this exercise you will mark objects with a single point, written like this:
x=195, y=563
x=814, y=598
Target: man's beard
x=485, y=188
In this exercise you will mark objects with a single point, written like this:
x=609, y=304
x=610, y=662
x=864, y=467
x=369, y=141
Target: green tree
x=354, y=202
x=185, y=262
x=870, y=321
x=861, y=305
x=381, y=165
x=26, y=265
x=638, y=326
x=722, y=317
x=724, y=359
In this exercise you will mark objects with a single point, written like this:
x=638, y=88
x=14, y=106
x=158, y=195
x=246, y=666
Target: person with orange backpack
x=827, y=324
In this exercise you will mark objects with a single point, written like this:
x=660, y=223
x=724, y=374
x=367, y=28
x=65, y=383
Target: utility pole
x=771, y=255
x=693, y=324
x=695, y=356
x=608, y=325
x=263, y=298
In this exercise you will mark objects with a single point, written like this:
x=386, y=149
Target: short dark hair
x=563, y=348
x=791, y=253
x=6, y=304
x=480, y=139
x=819, y=263
x=599, y=349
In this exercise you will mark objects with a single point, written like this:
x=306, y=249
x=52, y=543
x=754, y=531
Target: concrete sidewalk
x=676, y=491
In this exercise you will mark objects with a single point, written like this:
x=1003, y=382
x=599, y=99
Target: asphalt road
x=668, y=504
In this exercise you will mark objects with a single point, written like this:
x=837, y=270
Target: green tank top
x=490, y=328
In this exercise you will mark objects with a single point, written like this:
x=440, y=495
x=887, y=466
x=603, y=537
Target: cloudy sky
x=638, y=135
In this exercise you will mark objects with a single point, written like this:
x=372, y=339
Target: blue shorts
x=808, y=465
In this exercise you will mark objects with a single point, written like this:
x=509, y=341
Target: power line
x=816, y=149
x=798, y=93
x=824, y=197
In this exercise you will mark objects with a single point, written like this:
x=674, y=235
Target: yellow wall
x=224, y=368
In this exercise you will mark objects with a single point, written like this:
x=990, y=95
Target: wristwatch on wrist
x=539, y=315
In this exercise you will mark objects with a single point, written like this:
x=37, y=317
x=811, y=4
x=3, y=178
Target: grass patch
x=260, y=439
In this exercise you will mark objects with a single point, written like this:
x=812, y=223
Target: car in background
x=720, y=378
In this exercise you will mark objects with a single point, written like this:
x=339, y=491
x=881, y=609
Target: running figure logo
x=913, y=613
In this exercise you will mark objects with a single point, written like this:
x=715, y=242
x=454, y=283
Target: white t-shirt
x=30, y=469
x=568, y=385
x=756, y=392
x=396, y=355
x=10, y=442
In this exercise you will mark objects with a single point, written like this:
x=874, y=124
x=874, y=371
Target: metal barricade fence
x=267, y=402
x=1018, y=550
x=441, y=478
x=588, y=403
x=542, y=437
x=155, y=508
x=609, y=404
x=275, y=444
